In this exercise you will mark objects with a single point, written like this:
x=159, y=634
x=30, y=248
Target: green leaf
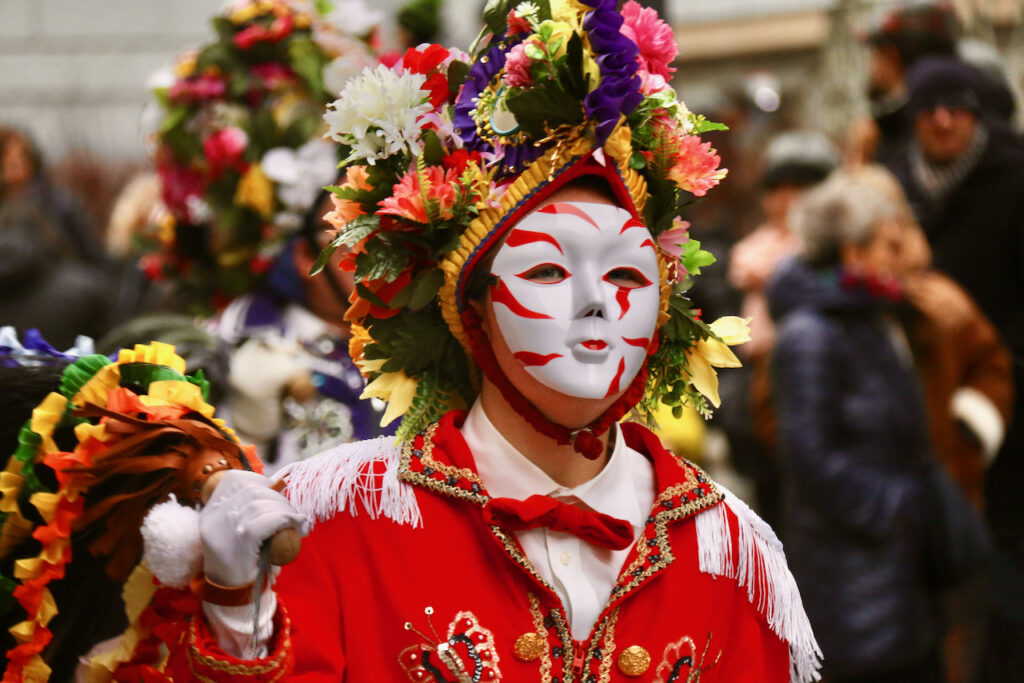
x=496, y=16
x=307, y=60
x=426, y=287
x=702, y=125
x=457, y=73
x=383, y=259
x=547, y=105
x=694, y=258
x=173, y=119
x=325, y=255
x=577, y=82
x=637, y=161
x=215, y=54
x=545, y=9
x=224, y=27
x=323, y=7
x=358, y=229
x=433, y=151
x=534, y=52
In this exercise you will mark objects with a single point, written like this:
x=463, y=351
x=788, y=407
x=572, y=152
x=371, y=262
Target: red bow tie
x=537, y=511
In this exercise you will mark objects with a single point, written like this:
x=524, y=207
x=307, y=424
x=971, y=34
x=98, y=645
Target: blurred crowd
x=874, y=422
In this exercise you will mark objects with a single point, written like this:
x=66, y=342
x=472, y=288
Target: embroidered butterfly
x=680, y=663
x=466, y=655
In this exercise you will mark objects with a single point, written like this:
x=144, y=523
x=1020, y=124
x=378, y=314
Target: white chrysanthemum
x=378, y=114
x=341, y=70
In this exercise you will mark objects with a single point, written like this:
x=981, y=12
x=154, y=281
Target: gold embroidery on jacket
x=538, y=625
x=680, y=659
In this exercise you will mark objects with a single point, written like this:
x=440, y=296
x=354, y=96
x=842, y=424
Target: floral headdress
x=444, y=152
x=238, y=147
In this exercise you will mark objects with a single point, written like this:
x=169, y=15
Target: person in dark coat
x=900, y=36
x=853, y=441
x=964, y=176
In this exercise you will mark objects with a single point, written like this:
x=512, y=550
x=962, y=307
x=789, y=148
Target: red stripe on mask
x=642, y=342
x=564, y=208
x=622, y=296
x=520, y=237
x=614, y=386
x=501, y=295
x=531, y=359
x=632, y=223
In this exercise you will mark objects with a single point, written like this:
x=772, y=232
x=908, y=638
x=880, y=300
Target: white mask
x=577, y=296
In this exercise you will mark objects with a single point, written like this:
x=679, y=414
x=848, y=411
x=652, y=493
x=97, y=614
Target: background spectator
x=854, y=441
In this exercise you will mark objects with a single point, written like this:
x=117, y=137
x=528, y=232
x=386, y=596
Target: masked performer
x=511, y=223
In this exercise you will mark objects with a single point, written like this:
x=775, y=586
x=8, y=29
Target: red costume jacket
x=401, y=580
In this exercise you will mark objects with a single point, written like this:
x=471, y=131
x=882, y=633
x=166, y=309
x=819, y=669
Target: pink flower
x=272, y=74
x=672, y=240
x=652, y=35
x=197, y=89
x=651, y=83
x=695, y=165
x=517, y=67
x=671, y=243
x=224, y=150
x=407, y=200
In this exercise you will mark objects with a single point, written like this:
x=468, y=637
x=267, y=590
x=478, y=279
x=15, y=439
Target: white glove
x=242, y=513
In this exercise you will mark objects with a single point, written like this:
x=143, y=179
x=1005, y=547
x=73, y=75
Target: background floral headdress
x=443, y=151
x=114, y=439
x=238, y=147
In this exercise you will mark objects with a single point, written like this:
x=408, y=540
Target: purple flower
x=616, y=56
x=515, y=157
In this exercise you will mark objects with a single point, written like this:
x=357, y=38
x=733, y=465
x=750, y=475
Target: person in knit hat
x=964, y=176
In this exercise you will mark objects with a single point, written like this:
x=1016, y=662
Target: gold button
x=634, y=660
x=529, y=647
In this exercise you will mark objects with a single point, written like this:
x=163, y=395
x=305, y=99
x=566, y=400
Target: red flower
x=260, y=264
x=517, y=24
x=428, y=63
x=459, y=159
x=257, y=33
x=224, y=150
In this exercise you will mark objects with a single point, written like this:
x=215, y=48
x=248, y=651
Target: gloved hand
x=242, y=513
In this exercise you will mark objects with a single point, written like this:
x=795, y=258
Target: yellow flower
x=701, y=361
x=185, y=64
x=732, y=329
x=248, y=12
x=256, y=191
x=395, y=388
x=569, y=10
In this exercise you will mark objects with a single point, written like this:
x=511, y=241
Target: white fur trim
x=171, y=545
x=981, y=415
x=761, y=567
x=336, y=480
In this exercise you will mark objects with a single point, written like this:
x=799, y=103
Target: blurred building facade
x=74, y=73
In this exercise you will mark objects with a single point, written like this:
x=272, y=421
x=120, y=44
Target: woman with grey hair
x=853, y=440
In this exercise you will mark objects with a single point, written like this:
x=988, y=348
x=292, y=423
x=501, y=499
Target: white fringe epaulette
x=761, y=567
x=342, y=480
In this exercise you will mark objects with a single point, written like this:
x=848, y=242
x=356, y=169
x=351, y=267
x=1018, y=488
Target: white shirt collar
x=507, y=473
